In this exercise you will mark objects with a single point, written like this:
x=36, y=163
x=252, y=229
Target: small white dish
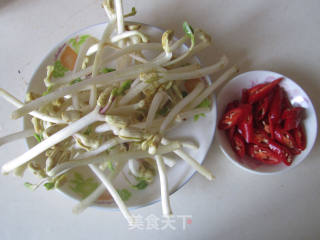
x=297, y=96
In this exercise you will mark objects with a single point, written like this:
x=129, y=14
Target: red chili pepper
x=262, y=107
x=284, y=137
x=261, y=90
x=231, y=131
x=292, y=117
x=300, y=138
x=275, y=110
x=231, y=118
x=238, y=145
x=263, y=154
x=231, y=105
x=244, y=96
x=261, y=138
x=286, y=102
x=245, y=126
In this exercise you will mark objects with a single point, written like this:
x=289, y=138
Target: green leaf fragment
x=163, y=111
x=197, y=116
x=142, y=184
x=121, y=90
x=107, y=70
x=30, y=185
x=49, y=90
x=189, y=31
x=124, y=194
x=81, y=186
x=49, y=185
x=205, y=103
x=75, y=81
x=59, y=69
x=110, y=166
x=38, y=137
x=78, y=41
x=124, y=86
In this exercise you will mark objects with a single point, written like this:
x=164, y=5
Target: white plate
x=201, y=131
x=297, y=96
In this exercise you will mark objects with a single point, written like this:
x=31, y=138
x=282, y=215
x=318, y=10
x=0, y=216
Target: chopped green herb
x=29, y=185
x=124, y=86
x=81, y=186
x=38, y=137
x=78, y=41
x=107, y=70
x=205, y=103
x=110, y=166
x=49, y=185
x=124, y=194
x=140, y=185
x=59, y=69
x=49, y=89
x=120, y=91
x=75, y=81
x=163, y=111
x=197, y=116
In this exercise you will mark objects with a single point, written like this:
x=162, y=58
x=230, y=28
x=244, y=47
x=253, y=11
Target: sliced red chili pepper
x=231, y=131
x=300, y=138
x=231, y=105
x=231, y=118
x=263, y=154
x=245, y=125
x=275, y=110
x=244, y=96
x=286, y=102
x=284, y=137
x=261, y=138
x=263, y=107
x=238, y=145
x=292, y=117
x=261, y=90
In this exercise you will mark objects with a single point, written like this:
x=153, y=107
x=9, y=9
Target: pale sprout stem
x=187, y=68
x=191, y=161
x=156, y=101
x=105, y=127
x=16, y=136
x=109, y=10
x=17, y=103
x=180, y=105
x=128, y=34
x=210, y=89
x=165, y=202
x=113, y=192
x=83, y=204
x=106, y=157
x=103, y=147
x=52, y=140
x=106, y=79
x=77, y=67
x=197, y=73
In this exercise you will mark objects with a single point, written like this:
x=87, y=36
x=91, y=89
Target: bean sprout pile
x=113, y=106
